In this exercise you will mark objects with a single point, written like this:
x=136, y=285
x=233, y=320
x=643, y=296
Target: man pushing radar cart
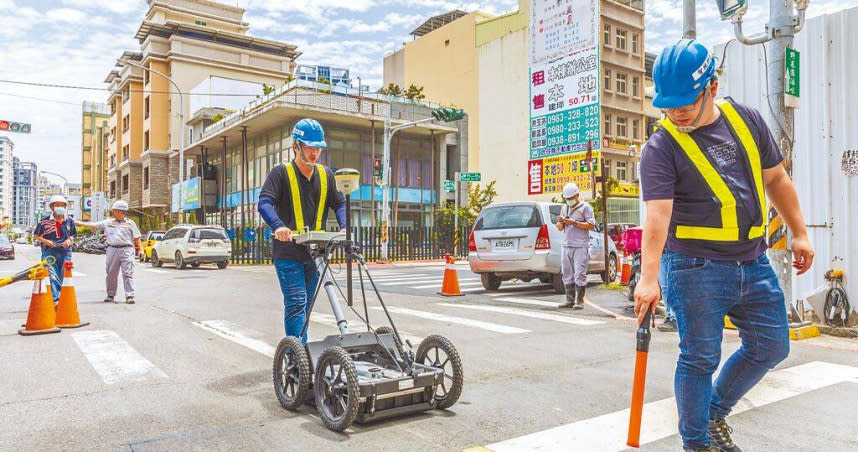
x=360, y=375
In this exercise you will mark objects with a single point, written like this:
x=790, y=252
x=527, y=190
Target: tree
x=192, y=218
x=393, y=89
x=478, y=198
x=267, y=89
x=289, y=78
x=414, y=93
x=612, y=185
x=217, y=117
x=324, y=81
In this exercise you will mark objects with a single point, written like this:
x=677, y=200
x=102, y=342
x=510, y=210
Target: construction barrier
x=42, y=316
x=450, y=287
x=67, y=313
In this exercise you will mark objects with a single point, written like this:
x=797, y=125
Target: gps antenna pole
x=348, y=251
x=643, y=337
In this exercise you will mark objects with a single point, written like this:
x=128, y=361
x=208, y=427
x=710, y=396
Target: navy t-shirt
x=667, y=173
x=56, y=232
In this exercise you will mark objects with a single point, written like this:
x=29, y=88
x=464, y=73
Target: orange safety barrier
x=67, y=314
x=450, y=287
x=42, y=316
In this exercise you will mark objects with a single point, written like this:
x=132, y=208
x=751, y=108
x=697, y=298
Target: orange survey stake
x=643, y=336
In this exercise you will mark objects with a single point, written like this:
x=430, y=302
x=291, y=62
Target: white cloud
x=73, y=16
x=113, y=6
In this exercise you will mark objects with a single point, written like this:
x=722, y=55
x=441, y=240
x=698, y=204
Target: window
x=113, y=189
x=200, y=23
x=621, y=171
x=622, y=87
x=621, y=39
x=146, y=77
x=146, y=107
x=636, y=87
x=126, y=93
x=509, y=217
x=622, y=123
x=607, y=80
x=146, y=140
x=607, y=164
x=125, y=152
x=125, y=184
x=635, y=43
x=125, y=123
x=606, y=35
x=636, y=129
x=607, y=125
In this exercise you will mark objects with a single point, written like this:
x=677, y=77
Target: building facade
x=335, y=75
x=26, y=194
x=503, y=55
x=74, y=196
x=46, y=190
x=95, y=134
x=188, y=41
x=234, y=155
x=7, y=178
x=443, y=59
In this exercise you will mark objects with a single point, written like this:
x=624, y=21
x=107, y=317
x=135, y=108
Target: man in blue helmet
x=295, y=198
x=705, y=176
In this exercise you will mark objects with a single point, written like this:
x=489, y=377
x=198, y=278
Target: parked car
x=615, y=232
x=21, y=241
x=193, y=245
x=149, y=242
x=7, y=250
x=519, y=240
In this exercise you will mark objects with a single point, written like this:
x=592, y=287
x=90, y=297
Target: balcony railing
x=636, y=4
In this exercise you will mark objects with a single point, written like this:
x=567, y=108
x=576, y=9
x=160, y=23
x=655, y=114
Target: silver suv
x=520, y=240
x=193, y=244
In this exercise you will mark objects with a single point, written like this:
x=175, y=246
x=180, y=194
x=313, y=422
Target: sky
x=76, y=42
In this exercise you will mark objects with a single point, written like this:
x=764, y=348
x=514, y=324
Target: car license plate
x=505, y=244
x=212, y=244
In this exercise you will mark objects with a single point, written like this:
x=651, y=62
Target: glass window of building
x=608, y=78
x=622, y=87
x=607, y=125
x=636, y=129
x=635, y=43
x=621, y=170
x=621, y=39
x=636, y=87
x=606, y=35
x=608, y=167
x=622, y=126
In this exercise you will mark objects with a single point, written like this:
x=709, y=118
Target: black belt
x=120, y=246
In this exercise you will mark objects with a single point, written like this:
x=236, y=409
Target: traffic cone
x=42, y=317
x=626, y=275
x=67, y=315
x=450, y=288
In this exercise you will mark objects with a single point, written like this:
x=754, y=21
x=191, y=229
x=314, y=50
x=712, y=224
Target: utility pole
x=689, y=19
x=786, y=18
x=605, y=238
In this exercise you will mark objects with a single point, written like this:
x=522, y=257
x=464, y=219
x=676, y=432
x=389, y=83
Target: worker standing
x=705, y=176
x=56, y=232
x=575, y=221
x=297, y=196
x=123, y=245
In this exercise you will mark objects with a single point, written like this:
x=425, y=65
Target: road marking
x=457, y=320
x=528, y=301
x=114, y=359
x=472, y=289
x=386, y=278
x=237, y=334
x=412, y=281
x=522, y=292
x=608, y=432
x=438, y=286
x=76, y=274
x=328, y=319
x=152, y=270
x=523, y=313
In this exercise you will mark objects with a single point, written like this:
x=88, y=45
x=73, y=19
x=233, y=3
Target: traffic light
x=377, y=169
x=11, y=126
x=448, y=114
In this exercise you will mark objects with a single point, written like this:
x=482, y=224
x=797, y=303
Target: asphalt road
x=189, y=368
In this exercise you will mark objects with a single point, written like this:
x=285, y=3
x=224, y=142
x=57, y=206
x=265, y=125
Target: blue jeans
x=701, y=292
x=56, y=271
x=298, y=283
x=662, y=282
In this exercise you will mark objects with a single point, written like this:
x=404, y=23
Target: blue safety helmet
x=680, y=73
x=309, y=132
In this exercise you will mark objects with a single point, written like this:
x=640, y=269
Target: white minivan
x=189, y=244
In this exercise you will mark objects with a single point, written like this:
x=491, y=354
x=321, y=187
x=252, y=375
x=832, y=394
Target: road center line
x=608, y=432
x=457, y=320
x=523, y=313
x=114, y=359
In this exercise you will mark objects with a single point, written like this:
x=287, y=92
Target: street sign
x=449, y=186
x=12, y=126
x=470, y=177
x=730, y=8
x=791, y=75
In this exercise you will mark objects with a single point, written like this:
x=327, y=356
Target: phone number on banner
x=564, y=132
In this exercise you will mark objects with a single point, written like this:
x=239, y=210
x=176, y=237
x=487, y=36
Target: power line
x=41, y=99
x=89, y=88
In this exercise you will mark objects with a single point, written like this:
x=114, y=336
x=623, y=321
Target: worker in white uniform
x=575, y=221
x=123, y=245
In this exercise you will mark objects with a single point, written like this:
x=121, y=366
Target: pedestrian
x=56, y=233
x=705, y=175
x=123, y=246
x=296, y=197
x=575, y=221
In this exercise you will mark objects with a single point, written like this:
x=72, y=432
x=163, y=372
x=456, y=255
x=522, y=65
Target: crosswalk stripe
x=528, y=301
x=386, y=279
x=438, y=285
x=472, y=289
x=457, y=320
x=114, y=359
x=523, y=313
x=237, y=334
x=411, y=281
x=522, y=292
x=329, y=319
x=608, y=432
x=152, y=270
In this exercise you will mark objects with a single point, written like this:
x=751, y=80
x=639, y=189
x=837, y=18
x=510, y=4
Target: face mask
x=60, y=211
x=571, y=203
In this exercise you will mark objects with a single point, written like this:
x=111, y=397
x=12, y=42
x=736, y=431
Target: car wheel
x=222, y=265
x=195, y=265
x=155, y=261
x=610, y=274
x=180, y=261
x=557, y=284
x=490, y=281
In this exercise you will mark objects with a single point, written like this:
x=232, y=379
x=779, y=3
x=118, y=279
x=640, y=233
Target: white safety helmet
x=570, y=190
x=57, y=198
x=120, y=205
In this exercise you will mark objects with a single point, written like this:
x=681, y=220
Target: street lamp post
x=65, y=181
x=180, y=130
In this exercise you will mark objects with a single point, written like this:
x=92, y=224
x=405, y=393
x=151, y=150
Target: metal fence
x=252, y=246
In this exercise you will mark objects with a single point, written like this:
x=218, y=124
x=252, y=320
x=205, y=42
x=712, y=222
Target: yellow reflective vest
x=297, y=209
x=724, y=198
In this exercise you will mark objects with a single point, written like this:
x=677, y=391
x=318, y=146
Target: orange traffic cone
x=42, y=317
x=67, y=315
x=627, y=270
x=450, y=288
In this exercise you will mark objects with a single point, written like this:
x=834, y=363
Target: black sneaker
x=109, y=299
x=129, y=300
x=668, y=326
x=704, y=449
x=720, y=432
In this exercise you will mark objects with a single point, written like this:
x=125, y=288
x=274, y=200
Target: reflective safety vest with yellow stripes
x=297, y=209
x=724, y=199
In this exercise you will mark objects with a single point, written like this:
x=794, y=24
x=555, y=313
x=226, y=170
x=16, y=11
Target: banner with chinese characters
x=565, y=111
x=548, y=176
